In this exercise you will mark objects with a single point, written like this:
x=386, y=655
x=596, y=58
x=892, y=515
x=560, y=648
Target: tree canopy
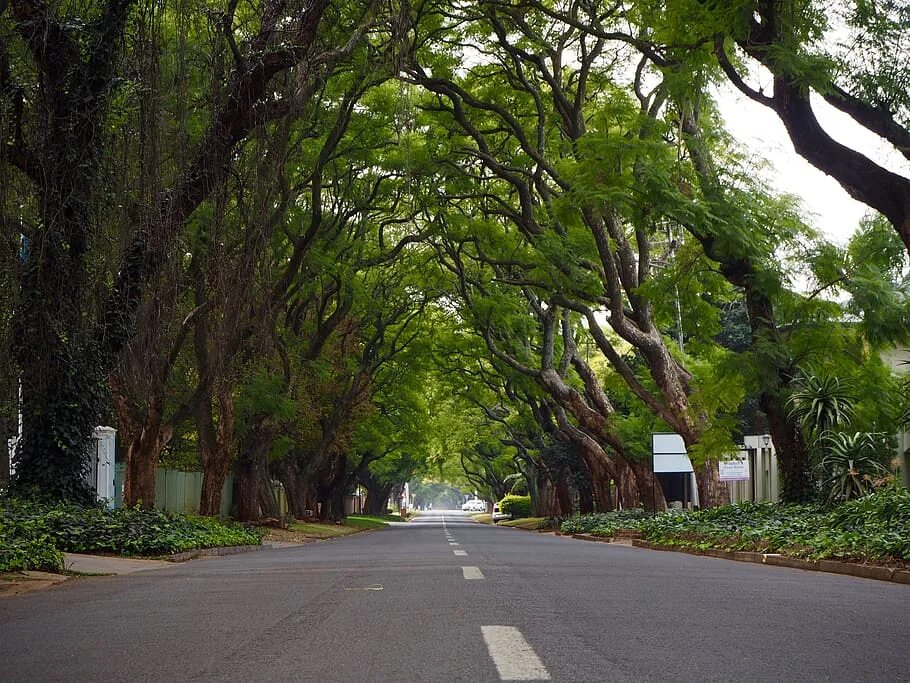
x=354, y=245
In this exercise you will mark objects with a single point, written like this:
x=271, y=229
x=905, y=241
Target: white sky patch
x=833, y=212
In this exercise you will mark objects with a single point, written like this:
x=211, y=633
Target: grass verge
x=525, y=522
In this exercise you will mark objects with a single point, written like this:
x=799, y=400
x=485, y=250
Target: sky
x=832, y=211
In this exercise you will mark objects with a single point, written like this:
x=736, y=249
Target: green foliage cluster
x=517, y=506
x=25, y=547
x=604, y=523
x=876, y=527
x=32, y=535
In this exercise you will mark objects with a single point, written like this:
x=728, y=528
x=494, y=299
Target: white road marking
x=472, y=573
x=461, y=553
x=515, y=660
x=454, y=543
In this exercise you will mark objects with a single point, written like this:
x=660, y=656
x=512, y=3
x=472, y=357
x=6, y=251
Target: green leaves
x=876, y=527
x=37, y=532
x=851, y=464
x=821, y=402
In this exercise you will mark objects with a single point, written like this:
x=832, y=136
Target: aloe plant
x=850, y=466
x=821, y=402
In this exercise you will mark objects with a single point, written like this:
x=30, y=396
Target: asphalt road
x=445, y=599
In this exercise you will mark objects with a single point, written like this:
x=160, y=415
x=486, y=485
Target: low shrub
x=20, y=553
x=125, y=531
x=517, y=506
x=604, y=523
x=875, y=527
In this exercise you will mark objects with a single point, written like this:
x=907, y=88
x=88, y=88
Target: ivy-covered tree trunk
x=64, y=347
x=60, y=363
x=61, y=404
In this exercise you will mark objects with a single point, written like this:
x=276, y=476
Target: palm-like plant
x=850, y=467
x=821, y=403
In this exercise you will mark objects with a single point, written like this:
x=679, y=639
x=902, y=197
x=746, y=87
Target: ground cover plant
x=874, y=528
x=603, y=523
x=32, y=535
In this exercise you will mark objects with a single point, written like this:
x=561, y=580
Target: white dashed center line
x=471, y=573
x=515, y=660
x=461, y=553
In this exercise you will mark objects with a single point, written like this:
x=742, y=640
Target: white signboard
x=670, y=453
x=734, y=470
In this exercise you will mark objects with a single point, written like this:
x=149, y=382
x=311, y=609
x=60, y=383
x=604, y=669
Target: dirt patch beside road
x=16, y=583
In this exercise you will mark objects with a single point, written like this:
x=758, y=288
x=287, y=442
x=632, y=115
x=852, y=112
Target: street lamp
x=766, y=438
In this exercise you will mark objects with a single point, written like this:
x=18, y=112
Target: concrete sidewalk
x=100, y=564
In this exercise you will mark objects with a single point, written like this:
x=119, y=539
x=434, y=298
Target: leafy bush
x=517, y=506
x=876, y=527
x=604, y=523
x=126, y=531
x=850, y=467
x=27, y=549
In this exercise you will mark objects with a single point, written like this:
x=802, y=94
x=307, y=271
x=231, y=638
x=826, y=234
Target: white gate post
x=105, y=442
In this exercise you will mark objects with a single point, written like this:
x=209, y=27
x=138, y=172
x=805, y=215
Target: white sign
x=670, y=453
x=734, y=470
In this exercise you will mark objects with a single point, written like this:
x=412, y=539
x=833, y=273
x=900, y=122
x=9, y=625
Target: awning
x=669, y=452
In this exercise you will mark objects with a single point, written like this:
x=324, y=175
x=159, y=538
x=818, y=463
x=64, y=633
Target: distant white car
x=499, y=514
x=475, y=505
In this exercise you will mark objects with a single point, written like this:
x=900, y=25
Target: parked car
x=499, y=514
x=475, y=505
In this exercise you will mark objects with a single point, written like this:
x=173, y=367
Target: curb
x=590, y=537
x=862, y=571
x=215, y=552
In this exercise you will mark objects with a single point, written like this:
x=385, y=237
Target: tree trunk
x=563, y=498
x=712, y=492
x=216, y=446
x=61, y=401
x=333, y=490
x=767, y=343
x=377, y=492
x=377, y=500
x=296, y=486
x=251, y=473
x=792, y=452
x=141, y=470
x=650, y=493
x=142, y=454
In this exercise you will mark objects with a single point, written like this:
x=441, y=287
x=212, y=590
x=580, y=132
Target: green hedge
x=517, y=506
x=32, y=535
x=875, y=527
